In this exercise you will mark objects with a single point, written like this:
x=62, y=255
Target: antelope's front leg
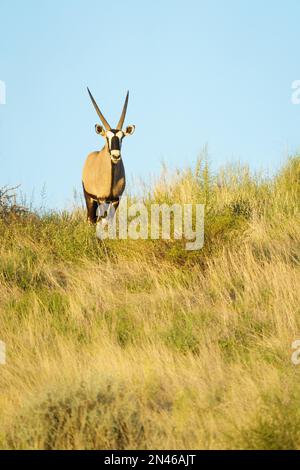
x=107, y=211
x=102, y=211
x=91, y=206
x=113, y=209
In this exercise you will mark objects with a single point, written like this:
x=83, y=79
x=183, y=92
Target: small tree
x=8, y=203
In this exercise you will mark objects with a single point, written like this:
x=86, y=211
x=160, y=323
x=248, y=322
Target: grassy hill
x=141, y=344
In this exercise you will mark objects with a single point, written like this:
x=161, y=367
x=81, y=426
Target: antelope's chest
x=102, y=178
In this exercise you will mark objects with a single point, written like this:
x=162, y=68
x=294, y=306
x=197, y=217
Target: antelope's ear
x=100, y=129
x=129, y=130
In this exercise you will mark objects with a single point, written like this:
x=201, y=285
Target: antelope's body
x=103, y=176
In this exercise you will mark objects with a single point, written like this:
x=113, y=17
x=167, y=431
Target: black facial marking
x=115, y=143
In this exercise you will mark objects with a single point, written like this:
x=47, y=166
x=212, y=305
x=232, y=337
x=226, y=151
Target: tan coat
x=101, y=178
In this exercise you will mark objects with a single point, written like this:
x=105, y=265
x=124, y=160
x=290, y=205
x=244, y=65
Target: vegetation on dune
x=126, y=344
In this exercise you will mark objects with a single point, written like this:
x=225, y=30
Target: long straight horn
x=122, y=118
x=104, y=121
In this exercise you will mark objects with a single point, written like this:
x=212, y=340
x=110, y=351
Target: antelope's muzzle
x=115, y=158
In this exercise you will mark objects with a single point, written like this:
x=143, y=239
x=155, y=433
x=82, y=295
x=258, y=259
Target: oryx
x=103, y=176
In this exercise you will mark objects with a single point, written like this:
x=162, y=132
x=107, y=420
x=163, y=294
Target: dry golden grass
x=141, y=345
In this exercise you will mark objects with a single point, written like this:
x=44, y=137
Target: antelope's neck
x=106, y=155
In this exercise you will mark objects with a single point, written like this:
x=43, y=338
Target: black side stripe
x=109, y=199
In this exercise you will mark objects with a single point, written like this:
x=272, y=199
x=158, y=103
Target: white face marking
x=109, y=136
x=115, y=154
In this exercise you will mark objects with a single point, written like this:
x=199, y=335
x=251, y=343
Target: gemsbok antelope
x=103, y=176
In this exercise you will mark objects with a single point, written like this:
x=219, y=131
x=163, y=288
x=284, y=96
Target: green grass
x=125, y=344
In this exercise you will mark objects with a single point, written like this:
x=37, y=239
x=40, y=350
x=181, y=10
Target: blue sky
x=199, y=72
